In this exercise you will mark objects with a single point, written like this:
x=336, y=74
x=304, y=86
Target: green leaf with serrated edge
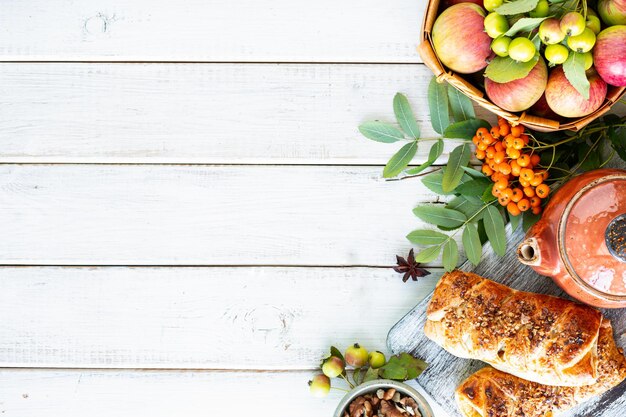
x=465, y=129
x=370, y=375
x=474, y=173
x=435, y=152
x=529, y=220
x=515, y=222
x=494, y=226
x=413, y=366
x=438, y=103
x=440, y=216
x=504, y=69
x=426, y=237
x=487, y=196
x=460, y=104
x=428, y=254
x=471, y=243
x=405, y=116
x=475, y=187
x=525, y=24
x=465, y=206
x=450, y=256
x=459, y=157
x=400, y=160
x=381, y=132
x=574, y=68
x=336, y=352
x=516, y=7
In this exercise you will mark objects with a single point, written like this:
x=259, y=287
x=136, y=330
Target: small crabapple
x=319, y=386
x=356, y=355
x=332, y=367
x=573, y=23
x=377, y=359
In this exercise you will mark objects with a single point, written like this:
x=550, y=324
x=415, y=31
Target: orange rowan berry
x=492, y=164
x=502, y=183
x=480, y=154
x=536, y=210
x=482, y=146
x=508, y=141
x=505, y=129
x=538, y=179
x=486, y=169
x=487, y=139
x=523, y=204
x=517, y=131
x=495, y=176
x=504, y=168
x=524, y=183
x=542, y=190
x=495, y=192
x=527, y=174
x=535, y=159
x=490, y=151
x=523, y=160
x=513, y=209
x=518, y=143
x=498, y=146
x=513, y=153
x=529, y=191
x=499, y=157
x=525, y=139
x=515, y=168
x=503, y=199
x=475, y=140
x=535, y=201
x=495, y=131
x=482, y=131
x=516, y=194
x=545, y=174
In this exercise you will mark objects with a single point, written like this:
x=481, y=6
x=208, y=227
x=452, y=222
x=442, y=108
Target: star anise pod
x=409, y=268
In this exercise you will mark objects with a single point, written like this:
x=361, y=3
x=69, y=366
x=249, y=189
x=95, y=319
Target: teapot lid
x=592, y=236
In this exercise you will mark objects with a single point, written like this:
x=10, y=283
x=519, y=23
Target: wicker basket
x=427, y=52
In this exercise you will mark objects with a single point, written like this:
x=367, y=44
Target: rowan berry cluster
x=512, y=166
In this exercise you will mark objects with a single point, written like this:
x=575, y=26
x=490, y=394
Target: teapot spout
x=528, y=252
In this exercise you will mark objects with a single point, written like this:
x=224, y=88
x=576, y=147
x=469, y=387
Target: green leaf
x=438, y=103
x=475, y=187
x=426, y=237
x=402, y=367
x=515, y=222
x=574, y=68
x=459, y=158
x=405, y=117
x=381, y=132
x=450, y=255
x=465, y=129
x=356, y=376
x=336, y=352
x=435, y=152
x=461, y=105
x=474, y=173
x=504, y=69
x=517, y=7
x=487, y=196
x=400, y=160
x=433, y=182
x=370, y=375
x=529, y=220
x=471, y=243
x=525, y=24
x=494, y=226
x=440, y=216
x=465, y=206
x=617, y=136
x=428, y=254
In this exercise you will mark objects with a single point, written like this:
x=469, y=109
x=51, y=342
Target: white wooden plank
x=196, y=318
x=115, y=393
x=220, y=113
x=204, y=215
x=213, y=30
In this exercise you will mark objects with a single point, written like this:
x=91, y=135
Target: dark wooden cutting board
x=445, y=371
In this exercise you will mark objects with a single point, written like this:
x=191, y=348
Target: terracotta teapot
x=580, y=241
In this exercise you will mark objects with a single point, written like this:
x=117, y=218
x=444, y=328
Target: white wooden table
x=188, y=214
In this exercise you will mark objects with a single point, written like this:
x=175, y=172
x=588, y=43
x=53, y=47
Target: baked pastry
x=537, y=337
x=493, y=393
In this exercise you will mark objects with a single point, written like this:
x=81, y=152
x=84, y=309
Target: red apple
x=448, y=3
x=519, y=95
x=566, y=101
x=460, y=40
x=609, y=55
x=612, y=12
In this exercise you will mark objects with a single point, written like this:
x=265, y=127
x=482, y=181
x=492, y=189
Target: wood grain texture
x=205, y=215
x=219, y=113
x=214, y=30
x=196, y=318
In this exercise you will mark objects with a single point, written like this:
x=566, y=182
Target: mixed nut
x=383, y=403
